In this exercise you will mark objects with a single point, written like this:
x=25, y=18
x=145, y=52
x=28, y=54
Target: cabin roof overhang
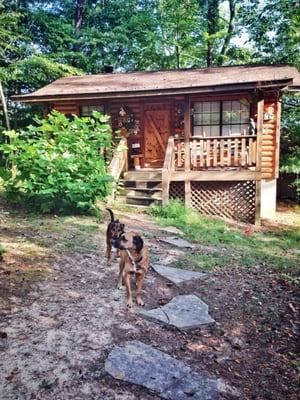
x=164, y=83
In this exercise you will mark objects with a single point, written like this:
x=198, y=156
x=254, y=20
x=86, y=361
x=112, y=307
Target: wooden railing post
x=187, y=150
x=118, y=164
x=259, y=125
x=187, y=134
x=167, y=170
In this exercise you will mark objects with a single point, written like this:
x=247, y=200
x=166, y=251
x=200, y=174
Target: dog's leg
x=108, y=253
x=127, y=280
x=120, y=276
x=139, y=286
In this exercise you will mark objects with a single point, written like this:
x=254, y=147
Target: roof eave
x=31, y=98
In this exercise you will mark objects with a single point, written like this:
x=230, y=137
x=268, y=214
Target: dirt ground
x=60, y=315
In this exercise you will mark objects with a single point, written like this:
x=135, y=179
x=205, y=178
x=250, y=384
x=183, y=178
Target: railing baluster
x=243, y=151
x=236, y=152
x=201, y=153
x=222, y=152
x=208, y=153
x=179, y=157
x=215, y=155
x=229, y=152
x=250, y=151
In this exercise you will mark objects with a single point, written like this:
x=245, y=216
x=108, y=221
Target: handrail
x=118, y=164
x=168, y=168
x=233, y=136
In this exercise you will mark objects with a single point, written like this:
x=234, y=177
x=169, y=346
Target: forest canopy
x=41, y=40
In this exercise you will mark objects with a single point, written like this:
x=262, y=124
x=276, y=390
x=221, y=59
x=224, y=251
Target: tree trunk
x=78, y=21
x=230, y=28
x=177, y=53
x=4, y=107
x=212, y=28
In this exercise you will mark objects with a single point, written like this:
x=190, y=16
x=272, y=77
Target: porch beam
x=259, y=125
x=215, y=176
x=187, y=133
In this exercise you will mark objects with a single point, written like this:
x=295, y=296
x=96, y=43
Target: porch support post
x=257, y=202
x=259, y=125
x=187, y=156
x=187, y=133
x=277, y=138
x=187, y=193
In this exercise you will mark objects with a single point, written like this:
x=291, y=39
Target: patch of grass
x=273, y=249
x=2, y=251
x=204, y=262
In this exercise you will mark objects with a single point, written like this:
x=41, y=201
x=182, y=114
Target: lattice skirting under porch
x=234, y=200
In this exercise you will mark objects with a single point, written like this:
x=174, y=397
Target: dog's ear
x=138, y=242
x=122, y=227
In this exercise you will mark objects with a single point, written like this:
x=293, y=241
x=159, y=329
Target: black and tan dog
x=114, y=231
x=134, y=259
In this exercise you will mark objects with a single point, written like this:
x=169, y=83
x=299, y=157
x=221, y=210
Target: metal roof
x=164, y=82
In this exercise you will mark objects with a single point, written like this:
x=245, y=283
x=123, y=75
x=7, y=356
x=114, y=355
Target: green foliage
x=290, y=138
x=2, y=251
x=58, y=165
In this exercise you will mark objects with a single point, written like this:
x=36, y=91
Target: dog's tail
x=111, y=214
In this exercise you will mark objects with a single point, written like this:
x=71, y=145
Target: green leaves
x=58, y=165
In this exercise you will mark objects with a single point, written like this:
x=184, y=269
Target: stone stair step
x=141, y=184
x=142, y=175
x=149, y=193
x=142, y=200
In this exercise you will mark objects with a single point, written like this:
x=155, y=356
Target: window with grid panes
x=221, y=118
x=87, y=111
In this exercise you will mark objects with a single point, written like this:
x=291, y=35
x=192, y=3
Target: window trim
x=221, y=123
x=91, y=105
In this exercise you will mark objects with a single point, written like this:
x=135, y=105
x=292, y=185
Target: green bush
x=58, y=165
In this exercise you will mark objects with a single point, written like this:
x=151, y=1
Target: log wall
x=270, y=139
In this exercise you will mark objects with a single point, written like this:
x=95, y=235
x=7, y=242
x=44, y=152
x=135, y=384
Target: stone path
x=144, y=365
x=183, y=312
x=177, y=275
x=178, y=242
x=171, y=379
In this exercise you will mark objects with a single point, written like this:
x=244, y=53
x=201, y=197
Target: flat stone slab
x=178, y=242
x=183, y=312
x=177, y=275
x=171, y=379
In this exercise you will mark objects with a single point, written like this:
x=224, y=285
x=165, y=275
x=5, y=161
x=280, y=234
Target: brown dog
x=134, y=259
x=114, y=230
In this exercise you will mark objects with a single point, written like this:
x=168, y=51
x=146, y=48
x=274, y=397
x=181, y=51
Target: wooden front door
x=156, y=135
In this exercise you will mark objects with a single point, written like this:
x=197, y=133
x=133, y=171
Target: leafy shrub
x=290, y=139
x=58, y=165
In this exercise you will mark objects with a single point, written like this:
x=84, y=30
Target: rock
x=169, y=378
x=178, y=242
x=177, y=275
x=183, y=312
x=172, y=229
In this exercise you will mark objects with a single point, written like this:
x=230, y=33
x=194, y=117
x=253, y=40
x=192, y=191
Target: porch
x=217, y=175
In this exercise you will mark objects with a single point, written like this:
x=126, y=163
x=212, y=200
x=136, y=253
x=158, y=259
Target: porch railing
x=118, y=164
x=219, y=151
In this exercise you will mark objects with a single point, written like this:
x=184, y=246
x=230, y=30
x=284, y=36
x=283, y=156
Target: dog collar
x=133, y=261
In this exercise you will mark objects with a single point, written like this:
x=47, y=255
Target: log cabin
x=209, y=137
